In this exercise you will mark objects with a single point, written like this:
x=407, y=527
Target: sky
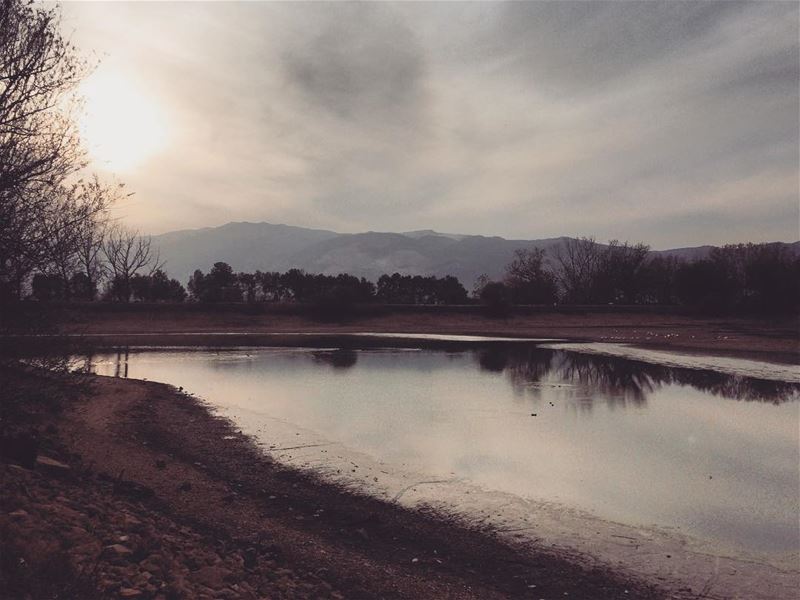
x=675, y=124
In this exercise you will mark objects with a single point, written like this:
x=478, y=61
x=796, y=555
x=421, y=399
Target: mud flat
x=769, y=339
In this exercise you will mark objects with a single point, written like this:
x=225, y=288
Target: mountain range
x=270, y=247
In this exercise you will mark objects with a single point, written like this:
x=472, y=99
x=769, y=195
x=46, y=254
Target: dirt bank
x=156, y=498
x=776, y=340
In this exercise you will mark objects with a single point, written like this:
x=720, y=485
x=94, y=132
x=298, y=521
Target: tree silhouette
x=220, y=285
x=127, y=253
x=39, y=143
x=529, y=279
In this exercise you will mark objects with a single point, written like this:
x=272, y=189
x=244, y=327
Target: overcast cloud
x=670, y=123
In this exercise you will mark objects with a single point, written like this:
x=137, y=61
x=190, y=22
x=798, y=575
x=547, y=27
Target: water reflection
x=631, y=441
x=342, y=358
x=585, y=377
x=87, y=363
x=620, y=381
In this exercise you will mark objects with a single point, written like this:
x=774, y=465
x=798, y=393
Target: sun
x=122, y=125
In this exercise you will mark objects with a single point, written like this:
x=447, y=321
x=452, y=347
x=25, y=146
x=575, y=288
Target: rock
x=51, y=465
x=129, y=593
x=118, y=550
x=18, y=514
x=151, y=566
x=130, y=520
x=211, y=576
x=144, y=577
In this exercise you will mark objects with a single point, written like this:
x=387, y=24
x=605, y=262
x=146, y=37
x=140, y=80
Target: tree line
x=222, y=284
x=110, y=263
x=754, y=277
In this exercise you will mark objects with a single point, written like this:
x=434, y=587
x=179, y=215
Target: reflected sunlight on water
x=711, y=454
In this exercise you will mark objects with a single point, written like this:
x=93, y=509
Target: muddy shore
x=769, y=339
x=151, y=496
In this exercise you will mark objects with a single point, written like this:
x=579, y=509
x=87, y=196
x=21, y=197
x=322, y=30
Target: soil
x=140, y=492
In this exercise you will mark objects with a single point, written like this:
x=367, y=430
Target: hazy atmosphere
x=409, y=300
x=672, y=123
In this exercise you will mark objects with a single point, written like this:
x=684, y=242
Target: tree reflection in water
x=619, y=381
x=584, y=378
x=342, y=358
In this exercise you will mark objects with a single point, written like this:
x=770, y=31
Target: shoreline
x=183, y=462
x=142, y=442
x=768, y=339
x=645, y=552
x=168, y=459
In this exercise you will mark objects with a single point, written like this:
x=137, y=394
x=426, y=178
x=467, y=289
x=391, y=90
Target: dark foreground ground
x=139, y=492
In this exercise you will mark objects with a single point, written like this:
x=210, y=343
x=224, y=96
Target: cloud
x=620, y=120
x=360, y=63
x=574, y=46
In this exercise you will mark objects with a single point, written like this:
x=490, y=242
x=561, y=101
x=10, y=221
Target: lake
x=711, y=455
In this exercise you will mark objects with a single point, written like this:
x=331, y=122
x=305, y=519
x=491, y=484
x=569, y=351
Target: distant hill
x=270, y=247
x=701, y=252
x=245, y=246
x=694, y=253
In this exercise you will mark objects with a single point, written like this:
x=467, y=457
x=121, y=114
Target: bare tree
x=529, y=279
x=39, y=144
x=622, y=271
x=579, y=262
x=590, y=272
x=127, y=253
x=89, y=256
x=481, y=281
x=75, y=234
x=92, y=231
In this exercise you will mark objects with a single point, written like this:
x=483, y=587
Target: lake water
x=714, y=456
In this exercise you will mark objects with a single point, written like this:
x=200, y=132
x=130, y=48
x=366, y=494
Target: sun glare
x=122, y=125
